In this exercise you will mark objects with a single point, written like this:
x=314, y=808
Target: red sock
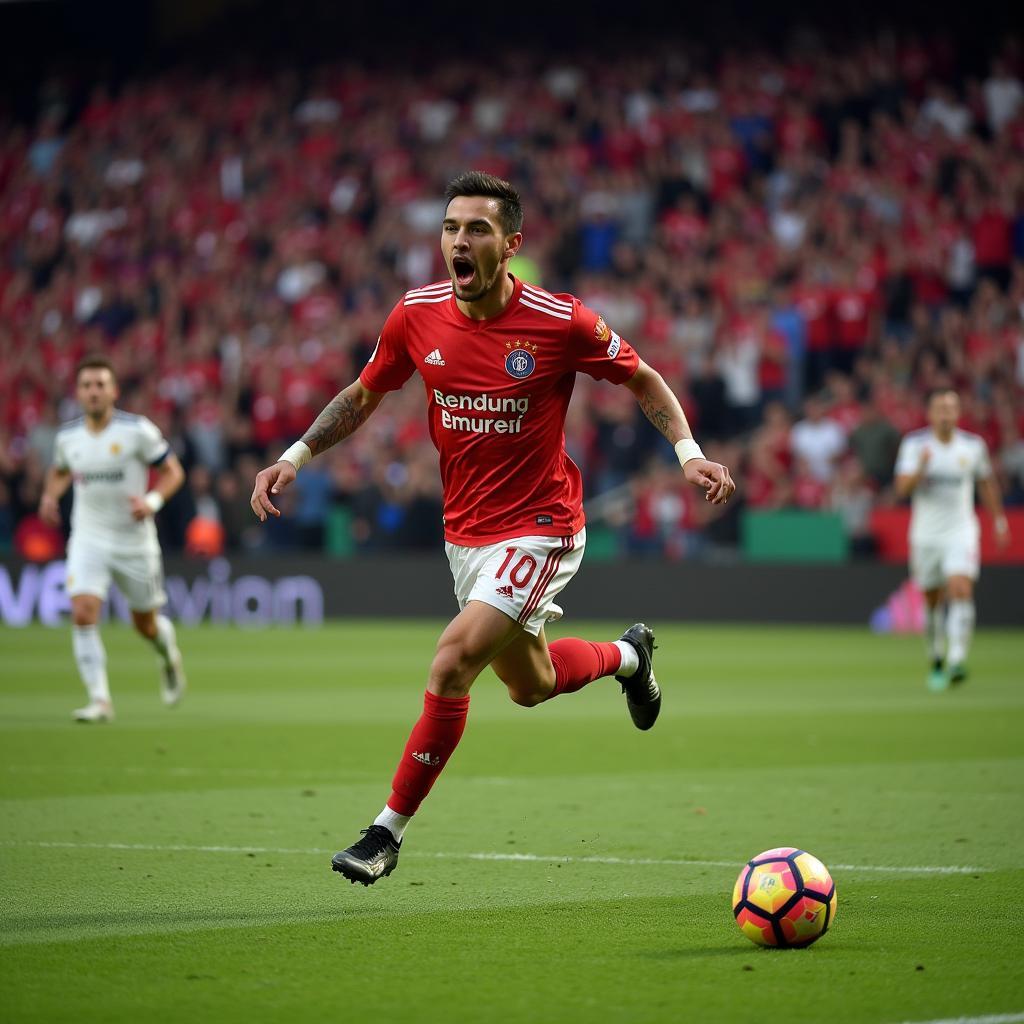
x=578, y=662
x=433, y=739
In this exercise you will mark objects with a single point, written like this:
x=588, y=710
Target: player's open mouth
x=463, y=269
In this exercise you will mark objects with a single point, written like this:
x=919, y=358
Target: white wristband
x=155, y=500
x=298, y=455
x=687, y=449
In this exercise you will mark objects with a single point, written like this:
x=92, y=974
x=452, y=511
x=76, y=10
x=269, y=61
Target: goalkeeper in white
x=937, y=467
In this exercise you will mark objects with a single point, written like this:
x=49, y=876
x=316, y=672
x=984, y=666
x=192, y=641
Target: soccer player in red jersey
x=498, y=358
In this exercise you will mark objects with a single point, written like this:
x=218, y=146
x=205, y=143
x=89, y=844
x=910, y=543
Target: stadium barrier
x=304, y=590
x=793, y=535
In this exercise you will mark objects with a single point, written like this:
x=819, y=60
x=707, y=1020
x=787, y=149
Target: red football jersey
x=497, y=394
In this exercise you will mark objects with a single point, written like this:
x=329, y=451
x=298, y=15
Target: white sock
x=166, y=640
x=630, y=659
x=959, y=627
x=394, y=822
x=935, y=631
x=91, y=657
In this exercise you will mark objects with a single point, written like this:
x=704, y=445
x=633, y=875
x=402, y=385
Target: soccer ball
x=784, y=897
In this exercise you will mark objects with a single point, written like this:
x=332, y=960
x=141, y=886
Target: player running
x=938, y=467
x=498, y=359
x=108, y=454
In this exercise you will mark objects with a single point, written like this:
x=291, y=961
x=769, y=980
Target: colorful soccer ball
x=784, y=897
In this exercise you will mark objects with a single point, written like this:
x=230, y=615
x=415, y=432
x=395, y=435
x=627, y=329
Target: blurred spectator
x=874, y=441
x=1004, y=97
x=200, y=483
x=767, y=481
x=740, y=355
x=817, y=441
x=852, y=497
x=313, y=488
x=707, y=388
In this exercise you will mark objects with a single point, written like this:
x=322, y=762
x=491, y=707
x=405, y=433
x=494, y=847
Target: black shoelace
x=376, y=841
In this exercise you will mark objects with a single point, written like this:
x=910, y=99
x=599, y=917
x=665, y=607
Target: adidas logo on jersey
x=426, y=758
x=504, y=592
x=435, y=358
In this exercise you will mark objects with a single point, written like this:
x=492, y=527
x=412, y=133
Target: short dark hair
x=478, y=183
x=941, y=389
x=95, y=362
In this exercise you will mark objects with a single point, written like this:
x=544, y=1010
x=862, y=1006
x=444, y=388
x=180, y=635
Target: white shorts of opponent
x=932, y=563
x=92, y=565
x=520, y=577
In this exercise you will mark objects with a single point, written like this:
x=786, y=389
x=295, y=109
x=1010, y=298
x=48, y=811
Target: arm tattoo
x=658, y=415
x=340, y=417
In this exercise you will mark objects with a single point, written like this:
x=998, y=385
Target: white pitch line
x=161, y=847
x=992, y=1018
x=920, y=869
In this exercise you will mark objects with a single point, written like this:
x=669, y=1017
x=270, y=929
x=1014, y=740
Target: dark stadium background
x=378, y=495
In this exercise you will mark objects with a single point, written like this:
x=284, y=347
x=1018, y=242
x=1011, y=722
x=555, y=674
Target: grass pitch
x=174, y=866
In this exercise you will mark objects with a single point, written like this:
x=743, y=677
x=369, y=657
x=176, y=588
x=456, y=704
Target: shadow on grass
x=51, y=927
x=641, y=928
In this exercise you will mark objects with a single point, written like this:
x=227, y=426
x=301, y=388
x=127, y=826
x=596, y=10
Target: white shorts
x=520, y=577
x=139, y=575
x=932, y=564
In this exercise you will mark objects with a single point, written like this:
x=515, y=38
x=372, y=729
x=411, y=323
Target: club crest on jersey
x=601, y=330
x=115, y=449
x=519, y=360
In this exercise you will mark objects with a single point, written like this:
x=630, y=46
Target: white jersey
x=942, y=505
x=108, y=469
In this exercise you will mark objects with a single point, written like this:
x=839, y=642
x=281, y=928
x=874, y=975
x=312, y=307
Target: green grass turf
x=174, y=866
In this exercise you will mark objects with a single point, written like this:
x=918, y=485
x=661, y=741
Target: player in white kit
x=108, y=454
x=938, y=467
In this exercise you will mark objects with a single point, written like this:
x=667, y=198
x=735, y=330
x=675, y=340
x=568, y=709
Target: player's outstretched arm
x=345, y=413
x=662, y=408
x=57, y=482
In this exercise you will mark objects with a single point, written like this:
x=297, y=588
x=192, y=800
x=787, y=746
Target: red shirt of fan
x=815, y=303
x=497, y=394
x=853, y=316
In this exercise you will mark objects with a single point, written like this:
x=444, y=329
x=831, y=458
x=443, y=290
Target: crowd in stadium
x=802, y=241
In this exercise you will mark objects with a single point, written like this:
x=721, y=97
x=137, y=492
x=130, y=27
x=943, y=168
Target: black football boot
x=374, y=856
x=643, y=696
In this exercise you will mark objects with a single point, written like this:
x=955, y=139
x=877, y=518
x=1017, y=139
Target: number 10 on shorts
x=522, y=572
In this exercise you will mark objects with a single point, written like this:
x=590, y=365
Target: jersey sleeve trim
x=162, y=457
